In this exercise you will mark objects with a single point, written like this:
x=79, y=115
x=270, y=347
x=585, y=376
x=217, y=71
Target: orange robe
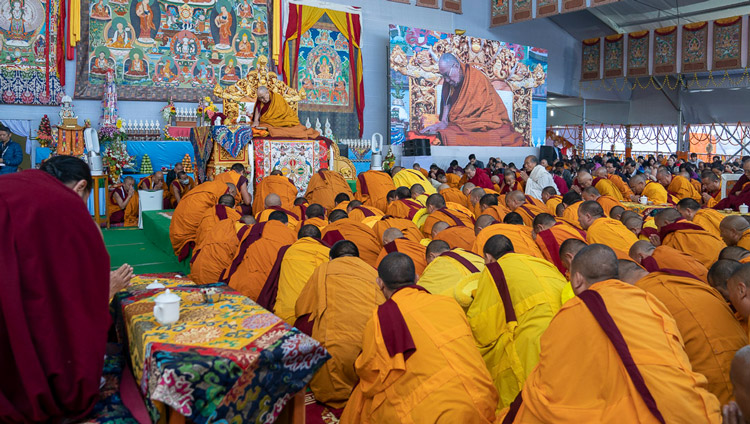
x=693, y=240
x=744, y=241
x=277, y=184
x=552, y=204
x=211, y=218
x=292, y=217
x=625, y=190
x=367, y=215
x=215, y=252
x=708, y=327
x=476, y=114
x=129, y=215
x=453, y=214
x=373, y=188
x=169, y=199
x=324, y=186
x=406, y=226
x=681, y=188
x=233, y=177
x=256, y=256
x=318, y=222
x=555, y=392
x=442, y=378
x=408, y=177
x=281, y=120
x=356, y=232
x=606, y=188
x=188, y=214
x=607, y=203
x=414, y=250
x=336, y=304
x=453, y=195
x=709, y=219
x=498, y=212
x=656, y=193
x=403, y=208
x=550, y=240
x=458, y=237
x=570, y=215
x=528, y=212
x=612, y=233
x=665, y=257
x=519, y=235
x=453, y=180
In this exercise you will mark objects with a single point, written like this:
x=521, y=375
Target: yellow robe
x=656, y=193
x=373, y=188
x=324, y=186
x=612, y=233
x=408, y=177
x=607, y=188
x=709, y=219
x=620, y=184
x=598, y=389
x=681, y=188
x=443, y=381
x=215, y=252
x=509, y=340
x=570, y=215
x=282, y=121
x=338, y=300
x=744, y=241
x=444, y=272
x=552, y=204
x=293, y=222
x=298, y=265
x=697, y=243
x=519, y=235
x=277, y=184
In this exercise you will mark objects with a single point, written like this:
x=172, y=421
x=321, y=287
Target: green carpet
x=132, y=246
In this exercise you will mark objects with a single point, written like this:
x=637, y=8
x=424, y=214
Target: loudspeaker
x=417, y=147
x=550, y=153
x=343, y=150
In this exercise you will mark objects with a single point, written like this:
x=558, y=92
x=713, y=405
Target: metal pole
x=583, y=130
x=680, y=132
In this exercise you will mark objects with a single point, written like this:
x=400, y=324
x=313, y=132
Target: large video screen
x=457, y=90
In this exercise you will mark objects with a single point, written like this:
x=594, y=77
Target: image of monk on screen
x=471, y=111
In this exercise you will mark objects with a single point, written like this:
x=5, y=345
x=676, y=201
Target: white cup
x=743, y=208
x=643, y=200
x=167, y=308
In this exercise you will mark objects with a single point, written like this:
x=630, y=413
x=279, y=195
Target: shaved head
x=628, y=214
x=438, y=227
x=435, y=202
x=569, y=249
x=734, y=252
x=248, y=220
x=343, y=248
x=616, y=212
x=416, y=190
x=467, y=188
x=737, y=286
x=337, y=214
x=513, y=218
x=435, y=249
x=543, y=221
x=739, y=373
x=308, y=230
x=396, y=270
x=588, y=212
x=515, y=199
x=476, y=194
x=640, y=250
x=591, y=265
x=732, y=228
x=278, y=216
x=272, y=199
x=391, y=234
x=666, y=217
x=629, y=271
x=341, y=197
x=719, y=273
x=231, y=189
x=488, y=200
x=226, y=200
x=315, y=211
x=483, y=222
x=590, y=193
x=496, y=247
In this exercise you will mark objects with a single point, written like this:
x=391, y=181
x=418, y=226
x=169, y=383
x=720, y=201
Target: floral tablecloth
x=228, y=360
x=642, y=209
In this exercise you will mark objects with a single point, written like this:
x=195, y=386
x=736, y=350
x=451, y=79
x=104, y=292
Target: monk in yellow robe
x=551, y=199
x=654, y=192
x=404, y=206
x=518, y=203
x=274, y=113
x=520, y=235
x=324, y=186
x=711, y=193
x=734, y=412
x=418, y=343
x=610, y=322
x=406, y=226
x=603, y=185
x=516, y=298
x=606, y=202
x=123, y=203
x=341, y=227
x=446, y=267
x=215, y=252
x=709, y=219
x=273, y=204
x=653, y=258
x=373, y=187
x=453, y=214
x=278, y=184
x=735, y=231
x=738, y=293
x=333, y=307
x=394, y=241
x=315, y=215
x=475, y=196
x=471, y=112
x=489, y=205
x=707, y=325
x=418, y=194
x=294, y=265
x=692, y=239
x=677, y=185
x=190, y=211
x=626, y=192
x=257, y=254
x=236, y=176
x=404, y=177
x=571, y=201
x=178, y=189
x=600, y=229
x=549, y=235
x=223, y=210
x=367, y=215
x=456, y=237
x=451, y=194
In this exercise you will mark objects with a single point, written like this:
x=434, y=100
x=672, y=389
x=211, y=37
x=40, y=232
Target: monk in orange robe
x=711, y=193
x=333, y=308
x=189, y=213
x=367, y=215
x=341, y=227
x=178, y=189
x=456, y=237
x=603, y=185
x=626, y=192
x=703, y=318
x=154, y=181
x=406, y=226
x=571, y=202
x=551, y=199
x=453, y=179
x=489, y=205
x=735, y=231
x=617, y=330
x=518, y=203
x=223, y=210
x=315, y=215
x=278, y=184
x=471, y=111
x=438, y=211
x=607, y=231
x=274, y=113
x=373, y=187
x=653, y=258
x=451, y=194
x=692, y=239
x=236, y=176
x=677, y=185
x=324, y=186
x=394, y=241
x=654, y=192
x=404, y=206
x=709, y=219
x=550, y=235
x=123, y=203
x=404, y=177
x=257, y=254
x=294, y=265
x=215, y=252
x=606, y=202
x=519, y=235
x=273, y=204
x=413, y=343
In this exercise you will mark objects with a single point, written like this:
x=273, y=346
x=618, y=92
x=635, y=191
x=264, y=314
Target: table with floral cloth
x=642, y=209
x=228, y=360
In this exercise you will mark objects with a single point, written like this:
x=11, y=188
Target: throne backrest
x=246, y=90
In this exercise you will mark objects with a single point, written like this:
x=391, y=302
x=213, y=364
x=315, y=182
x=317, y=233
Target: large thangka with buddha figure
x=156, y=46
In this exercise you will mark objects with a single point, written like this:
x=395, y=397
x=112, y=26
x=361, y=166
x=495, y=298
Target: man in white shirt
x=536, y=177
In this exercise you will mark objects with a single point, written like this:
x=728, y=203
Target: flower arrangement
x=44, y=133
x=210, y=108
x=115, y=156
x=109, y=134
x=169, y=112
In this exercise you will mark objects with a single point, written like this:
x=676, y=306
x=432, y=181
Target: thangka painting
x=638, y=53
x=457, y=90
x=727, y=43
x=499, y=12
x=323, y=69
x=158, y=46
x=695, y=47
x=665, y=50
x=614, y=51
x=546, y=8
x=591, y=59
x=521, y=10
x=28, y=52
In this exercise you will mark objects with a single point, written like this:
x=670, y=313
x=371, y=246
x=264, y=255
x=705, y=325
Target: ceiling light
x=551, y=112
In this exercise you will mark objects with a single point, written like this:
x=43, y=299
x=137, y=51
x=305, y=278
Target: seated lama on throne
x=273, y=113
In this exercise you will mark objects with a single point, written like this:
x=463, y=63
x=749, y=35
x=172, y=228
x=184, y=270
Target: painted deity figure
x=101, y=64
x=230, y=72
x=245, y=10
x=146, y=16
x=259, y=27
x=100, y=11
x=138, y=67
x=121, y=37
x=245, y=47
x=17, y=21
x=324, y=69
x=224, y=22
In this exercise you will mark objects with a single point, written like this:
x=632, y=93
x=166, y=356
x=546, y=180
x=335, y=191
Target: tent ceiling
x=635, y=15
